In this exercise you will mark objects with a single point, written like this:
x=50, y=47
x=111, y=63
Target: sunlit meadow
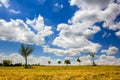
x=61, y=73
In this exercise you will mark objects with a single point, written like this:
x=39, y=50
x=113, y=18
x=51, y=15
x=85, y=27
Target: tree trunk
x=94, y=63
x=26, y=66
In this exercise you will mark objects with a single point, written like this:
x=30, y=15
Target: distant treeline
x=8, y=63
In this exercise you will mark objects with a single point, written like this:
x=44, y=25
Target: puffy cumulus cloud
x=90, y=16
x=16, y=58
x=96, y=11
x=107, y=60
x=96, y=15
x=111, y=50
x=81, y=26
x=118, y=33
x=99, y=60
x=61, y=52
x=108, y=16
x=79, y=43
x=76, y=37
x=38, y=25
x=78, y=29
x=74, y=48
x=85, y=60
x=90, y=4
x=4, y=3
x=20, y=31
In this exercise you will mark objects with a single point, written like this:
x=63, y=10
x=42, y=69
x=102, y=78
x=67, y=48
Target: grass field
x=61, y=73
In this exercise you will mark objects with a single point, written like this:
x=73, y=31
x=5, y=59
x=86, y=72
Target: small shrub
x=7, y=62
x=1, y=64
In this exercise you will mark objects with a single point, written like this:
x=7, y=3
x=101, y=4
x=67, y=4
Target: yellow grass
x=61, y=73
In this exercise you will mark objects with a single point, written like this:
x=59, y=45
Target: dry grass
x=61, y=73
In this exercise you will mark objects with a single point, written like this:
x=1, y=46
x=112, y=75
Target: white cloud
x=111, y=50
x=5, y=3
x=100, y=60
x=96, y=15
x=73, y=46
x=19, y=31
x=103, y=51
x=75, y=37
x=57, y=5
x=118, y=33
x=61, y=52
x=13, y=11
x=96, y=11
x=79, y=29
x=76, y=34
x=85, y=60
x=107, y=60
x=85, y=16
x=109, y=17
x=90, y=4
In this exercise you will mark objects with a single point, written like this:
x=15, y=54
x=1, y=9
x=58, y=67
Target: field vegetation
x=60, y=73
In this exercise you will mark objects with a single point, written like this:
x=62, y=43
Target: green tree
x=67, y=62
x=49, y=62
x=7, y=62
x=1, y=64
x=59, y=62
x=78, y=60
x=25, y=51
x=92, y=55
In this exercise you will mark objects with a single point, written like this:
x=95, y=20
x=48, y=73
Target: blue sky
x=60, y=29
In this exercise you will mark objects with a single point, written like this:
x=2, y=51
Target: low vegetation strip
x=61, y=73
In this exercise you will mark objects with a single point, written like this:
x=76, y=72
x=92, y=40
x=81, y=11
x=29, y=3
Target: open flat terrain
x=61, y=73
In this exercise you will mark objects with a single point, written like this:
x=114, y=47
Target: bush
x=67, y=62
x=7, y=62
x=18, y=64
x=1, y=64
